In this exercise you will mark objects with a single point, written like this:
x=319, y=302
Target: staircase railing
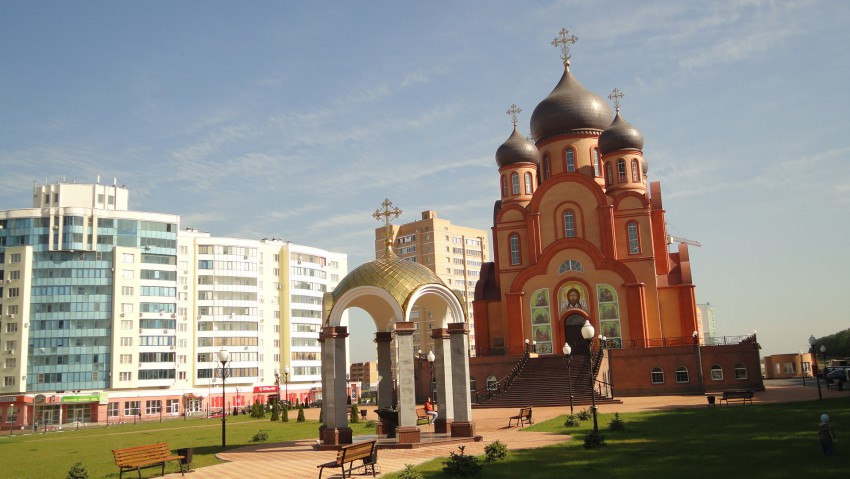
x=495, y=390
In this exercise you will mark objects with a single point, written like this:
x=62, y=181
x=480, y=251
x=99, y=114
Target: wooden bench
x=742, y=395
x=421, y=415
x=366, y=451
x=149, y=455
x=523, y=416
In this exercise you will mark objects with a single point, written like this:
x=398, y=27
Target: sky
x=296, y=119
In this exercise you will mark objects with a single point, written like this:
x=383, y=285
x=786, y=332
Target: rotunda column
x=334, y=390
x=443, y=376
x=462, y=425
x=407, y=432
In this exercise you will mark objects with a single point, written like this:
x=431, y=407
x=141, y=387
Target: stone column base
x=408, y=435
x=336, y=436
x=463, y=429
x=381, y=428
x=442, y=426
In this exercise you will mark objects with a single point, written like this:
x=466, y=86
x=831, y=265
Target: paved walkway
x=298, y=460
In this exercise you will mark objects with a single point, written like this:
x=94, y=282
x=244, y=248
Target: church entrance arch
x=572, y=332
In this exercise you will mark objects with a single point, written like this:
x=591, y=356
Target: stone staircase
x=543, y=382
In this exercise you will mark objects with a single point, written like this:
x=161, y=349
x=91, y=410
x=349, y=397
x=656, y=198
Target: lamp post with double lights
x=587, y=332
x=223, y=357
x=286, y=386
x=431, y=357
x=567, y=350
x=813, y=343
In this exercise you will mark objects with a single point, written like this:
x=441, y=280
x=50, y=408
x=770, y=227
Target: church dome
x=621, y=135
x=570, y=108
x=390, y=273
x=517, y=149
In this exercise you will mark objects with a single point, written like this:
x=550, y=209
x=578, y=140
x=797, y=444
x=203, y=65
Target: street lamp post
x=286, y=386
x=813, y=342
x=567, y=350
x=223, y=357
x=587, y=333
x=802, y=369
x=431, y=359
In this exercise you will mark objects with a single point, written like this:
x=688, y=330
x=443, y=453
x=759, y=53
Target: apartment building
x=107, y=313
x=454, y=253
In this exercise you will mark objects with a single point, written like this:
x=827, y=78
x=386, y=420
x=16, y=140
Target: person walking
x=430, y=412
x=826, y=435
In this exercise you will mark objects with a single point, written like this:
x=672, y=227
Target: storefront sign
x=8, y=398
x=82, y=398
x=266, y=389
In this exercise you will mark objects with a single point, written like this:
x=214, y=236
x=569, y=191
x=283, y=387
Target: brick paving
x=298, y=460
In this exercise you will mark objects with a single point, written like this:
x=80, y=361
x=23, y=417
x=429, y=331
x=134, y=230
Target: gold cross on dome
x=616, y=95
x=513, y=111
x=388, y=212
x=564, y=43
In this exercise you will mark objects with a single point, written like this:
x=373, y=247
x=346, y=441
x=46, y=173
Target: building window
x=528, y=185
x=127, y=274
x=153, y=407
x=514, y=244
x=547, y=167
x=597, y=166
x=682, y=375
x=504, y=186
x=14, y=292
x=9, y=381
x=125, y=376
x=716, y=373
x=634, y=237
x=635, y=171
x=621, y=170
x=657, y=376
x=132, y=408
x=740, y=371
x=515, y=183
x=569, y=224
x=608, y=174
x=15, y=258
x=570, y=160
x=128, y=257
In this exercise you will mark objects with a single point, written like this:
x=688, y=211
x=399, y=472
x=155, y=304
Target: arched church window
x=635, y=171
x=634, y=237
x=682, y=375
x=597, y=167
x=515, y=183
x=504, y=186
x=570, y=160
x=570, y=265
x=528, y=184
x=740, y=371
x=621, y=170
x=716, y=372
x=569, y=224
x=608, y=174
x=547, y=167
x=514, y=245
x=657, y=376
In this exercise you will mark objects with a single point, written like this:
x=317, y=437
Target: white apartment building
x=107, y=313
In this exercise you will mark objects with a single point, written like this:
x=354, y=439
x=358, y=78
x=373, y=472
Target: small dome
x=621, y=135
x=392, y=274
x=570, y=108
x=517, y=149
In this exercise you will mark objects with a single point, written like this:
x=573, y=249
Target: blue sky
x=296, y=119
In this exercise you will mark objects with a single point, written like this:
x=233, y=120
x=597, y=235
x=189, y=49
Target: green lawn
x=759, y=441
x=51, y=455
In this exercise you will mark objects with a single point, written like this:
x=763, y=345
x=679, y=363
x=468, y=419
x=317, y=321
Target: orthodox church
x=579, y=234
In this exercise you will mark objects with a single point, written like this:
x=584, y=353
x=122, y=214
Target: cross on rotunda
x=616, y=95
x=388, y=212
x=513, y=111
x=564, y=44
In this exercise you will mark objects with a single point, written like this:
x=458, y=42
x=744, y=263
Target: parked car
x=839, y=374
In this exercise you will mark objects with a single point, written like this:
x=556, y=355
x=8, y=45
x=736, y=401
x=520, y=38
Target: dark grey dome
x=621, y=135
x=570, y=108
x=517, y=149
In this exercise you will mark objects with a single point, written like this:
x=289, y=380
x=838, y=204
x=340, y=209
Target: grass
x=53, y=454
x=764, y=441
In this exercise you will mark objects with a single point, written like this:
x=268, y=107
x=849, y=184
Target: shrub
x=284, y=413
x=260, y=436
x=354, y=416
x=496, y=451
x=572, y=421
x=461, y=464
x=616, y=424
x=371, y=423
x=301, y=417
x=585, y=414
x=409, y=473
x=276, y=412
x=593, y=440
x=78, y=471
